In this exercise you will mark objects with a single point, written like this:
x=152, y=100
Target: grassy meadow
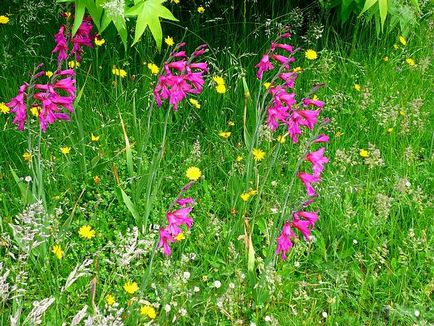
x=81, y=205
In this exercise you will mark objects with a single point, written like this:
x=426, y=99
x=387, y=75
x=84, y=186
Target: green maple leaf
x=148, y=13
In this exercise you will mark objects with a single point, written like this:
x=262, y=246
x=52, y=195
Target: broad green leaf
x=95, y=12
x=121, y=28
x=382, y=4
x=368, y=4
x=148, y=14
x=129, y=204
x=80, y=8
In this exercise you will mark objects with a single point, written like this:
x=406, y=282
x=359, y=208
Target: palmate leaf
x=148, y=13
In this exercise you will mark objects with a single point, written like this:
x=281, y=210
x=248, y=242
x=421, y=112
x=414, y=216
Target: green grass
x=371, y=260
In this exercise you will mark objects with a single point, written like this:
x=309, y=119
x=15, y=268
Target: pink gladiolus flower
x=201, y=49
x=165, y=239
x=276, y=113
x=310, y=118
x=284, y=243
x=318, y=160
x=178, y=218
x=82, y=38
x=180, y=54
x=303, y=227
x=289, y=78
x=317, y=103
x=263, y=65
x=293, y=124
x=19, y=108
x=311, y=217
x=322, y=139
x=61, y=45
x=185, y=201
x=286, y=47
x=308, y=179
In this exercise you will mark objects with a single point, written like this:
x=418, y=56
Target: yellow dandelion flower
x=153, y=68
x=402, y=40
x=57, y=251
x=231, y=123
x=386, y=58
x=27, y=156
x=131, y=287
x=311, y=54
x=410, y=62
x=35, y=110
x=245, y=196
x=86, y=232
x=252, y=192
x=193, y=173
x=200, y=10
x=267, y=85
x=258, y=154
x=239, y=158
x=297, y=70
x=225, y=134
x=73, y=64
x=175, y=1
x=4, y=20
x=364, y=153
x=390, y=130
x=218, y=80
x=94, y=138
x=339, y=134
x=4, y=108
x=49, y=73
x=110, y=299
x=169, y=41
x=195, y=103
x=358, y=87
x=221, y=89
x=402, y=113
x=281, y=139
x=119, y=72
x=99, y=41
x=180, y=236
x=65, y=150
x=148, y=311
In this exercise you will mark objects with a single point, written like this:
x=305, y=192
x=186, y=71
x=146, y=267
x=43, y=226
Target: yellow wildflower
x=86, y=232
x=297, y=70
x=153, y=68
x=110, y=299
x=149, y=311
x=4, y=19
x=49, y=73
x=311, y=54
x=357, y=87
x=68, y=14
x=225, y=134
x=267, y=85
x=99, y=41
x=252, y=192
x=27, y=156
x=410, y=62
x=386, y=58
x=119, y=72
x=193, y=173
x=35, y=110
x=221, y=89
x=73, y=64
x=390, y=130
x=395, y=46
x=218, y=80
x=97, y=180
x=258, y=154
x=175, y=1
x=200, y=10
x=281, y=139
x=131, y=287
x=57, y=251
x=180, y=236
x=94, y=138
x=364, y=153
x=4, y=108
x=169, y=41
x=65, y=150
x=239, y=158
x=339, y=134
x=195, y=103
x=402, y=40
x=245, y=196
x=231, y=123
x=402, y=113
